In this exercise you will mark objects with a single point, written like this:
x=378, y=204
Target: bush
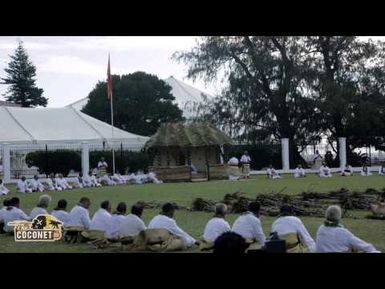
x=58, y=161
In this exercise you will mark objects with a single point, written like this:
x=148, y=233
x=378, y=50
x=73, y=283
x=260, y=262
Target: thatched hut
x=178, y=146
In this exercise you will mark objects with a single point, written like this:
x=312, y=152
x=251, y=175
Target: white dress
x=214, y=228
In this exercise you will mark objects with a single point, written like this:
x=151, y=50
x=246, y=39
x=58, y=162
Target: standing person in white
x=245, y=161
x=102, y=167
x=293, y=231
x=299, y=172
x=117, y=218
x=215, y=227
x=41, y=207
x=332, y=237
x=249, y=226
x=324, y=171
x=165, y=221
x=13, y=213
x=132, y=225
x=22, y=186
x=3, y=189
x=60, y=212
x=36, y=185
x=79, y=215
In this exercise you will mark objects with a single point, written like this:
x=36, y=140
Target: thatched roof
x=188, y=135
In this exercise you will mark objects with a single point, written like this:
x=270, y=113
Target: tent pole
x=112, y=133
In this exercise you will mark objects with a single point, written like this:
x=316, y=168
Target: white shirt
x=164, y=222
x=290, y=224
x=102, y=164
x=2, y=212
x=245, y=159
x=13, y=215
x=131, y=226
x=249, y=227
x=367, y=173
x=22, y=186
x=79, y=217
x=299, y=172
x=339, y=239
x=115, y=222
x=233, y=161
x=214, y=228
x=101, y=220
x=324, y=170
x=36, y=185
x=37, y=211
x=61, y=215
x=62, y=182
x=3, y=190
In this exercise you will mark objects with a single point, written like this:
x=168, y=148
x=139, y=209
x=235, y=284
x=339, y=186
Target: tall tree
x=141, y=103
x=20, y=77
x=267, y=94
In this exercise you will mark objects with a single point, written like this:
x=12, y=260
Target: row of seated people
x=59, y=183
x=163, y=233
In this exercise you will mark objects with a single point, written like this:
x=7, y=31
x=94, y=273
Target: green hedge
x=63, y=161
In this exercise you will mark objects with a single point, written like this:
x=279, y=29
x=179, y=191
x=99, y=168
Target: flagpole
x=112, y=134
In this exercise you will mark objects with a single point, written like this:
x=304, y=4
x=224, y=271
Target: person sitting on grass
x=348, y=171
x=324, y=171
x=117, y=218
x=41, y=207
x=23, y=186
x=62, y=183
x=118, y=179
x=94, y=181
x=52, y=184
x=299, y=172
x=249, y=226
x=215, y=227
x=107, y=180
x=36, y=185
x=3, y=189
x=165, y=221
x=230, y=243
x=79, y=215
x=332, y=237
x=13, y=213
x=60, y=212
x=293, y=231
x=6, y=203
x=132, y=224
x=272, y=173
x=365, y=171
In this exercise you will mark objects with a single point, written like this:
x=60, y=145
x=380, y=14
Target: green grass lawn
x=193, y=222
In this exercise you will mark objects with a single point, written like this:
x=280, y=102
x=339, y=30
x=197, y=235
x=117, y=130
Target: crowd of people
x=163, y=234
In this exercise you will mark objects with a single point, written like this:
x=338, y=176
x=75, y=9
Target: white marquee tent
x=57, y=126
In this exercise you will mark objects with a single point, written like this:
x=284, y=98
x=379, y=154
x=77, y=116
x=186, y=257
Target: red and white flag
x=109, y=80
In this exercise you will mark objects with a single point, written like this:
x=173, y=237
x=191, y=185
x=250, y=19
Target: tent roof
x=188, y=135
x=58, y=125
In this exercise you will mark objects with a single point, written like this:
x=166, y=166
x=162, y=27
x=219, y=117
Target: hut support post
x=207, y=163
x=85, y=158
x=6, y=163
x=285, y=154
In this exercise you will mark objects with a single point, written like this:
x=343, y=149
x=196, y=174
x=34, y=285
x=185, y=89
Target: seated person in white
x=62, y=183
x=365, y=171
x=132, y=224
x=6, y=203
x=151, y=177
x=234, y=173
x=79, y=215
x=52, y=184
x=249, y=226
x=292, y=230
x=60, y=212
x=348, y=171
x=165, y=221
x=101, y=221
x=94, y=181
x=215, y=227
x=3, y=189
x=324, y=171
x=13, y=213
x=41, y=207
x=117, y=218
x=107, y=180
x=118, y=179
x=332, y=237
x=381, y=170
x=36, y=185
x=85, y=180
x=23, y=186
x=299, y=172
x=272, y=173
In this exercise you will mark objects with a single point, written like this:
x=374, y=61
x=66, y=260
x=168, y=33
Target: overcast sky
x=68, y=68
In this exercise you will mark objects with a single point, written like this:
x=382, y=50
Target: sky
x=68, y=68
